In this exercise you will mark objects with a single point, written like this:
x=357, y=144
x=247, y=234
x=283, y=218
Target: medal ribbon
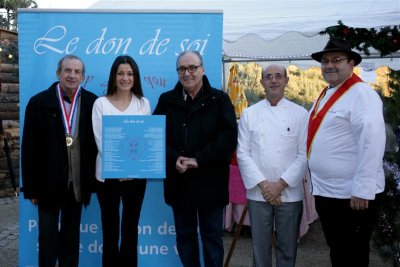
x=316, y=117
x=68, y=116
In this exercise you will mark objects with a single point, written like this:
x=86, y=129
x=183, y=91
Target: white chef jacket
x=103, y=106
x=272, y=145
x=347, y=152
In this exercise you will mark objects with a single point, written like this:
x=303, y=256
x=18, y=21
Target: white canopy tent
x=285, y=30
x=293, y=48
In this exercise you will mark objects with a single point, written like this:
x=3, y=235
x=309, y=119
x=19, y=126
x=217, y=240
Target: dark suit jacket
x=207, y=131
x=44, y=157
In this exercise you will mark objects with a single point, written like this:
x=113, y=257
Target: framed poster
x=133, y=146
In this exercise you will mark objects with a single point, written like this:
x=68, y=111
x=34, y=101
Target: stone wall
x=9, y=114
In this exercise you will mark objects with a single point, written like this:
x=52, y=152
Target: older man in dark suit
x=58, y=161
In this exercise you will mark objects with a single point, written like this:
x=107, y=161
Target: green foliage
x=386, y=237
x=8, y=51
x=252, y=96
x=304, y=86
x=384, y=39
x=392, y=102
x=9, y=14
x=9, y=21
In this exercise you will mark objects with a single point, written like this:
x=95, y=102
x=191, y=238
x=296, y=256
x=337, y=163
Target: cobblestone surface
x=9, y=230
x=8, y=200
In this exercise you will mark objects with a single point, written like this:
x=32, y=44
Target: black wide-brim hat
x=338, y=45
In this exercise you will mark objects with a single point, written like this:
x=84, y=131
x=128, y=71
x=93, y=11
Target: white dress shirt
x=272, y=145
x=347, y=151
x=102, y=106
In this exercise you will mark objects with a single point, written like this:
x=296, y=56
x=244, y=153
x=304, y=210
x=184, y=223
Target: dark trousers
x=116, y=251
x=210, y=222
x=347, y=232
x=59, y=243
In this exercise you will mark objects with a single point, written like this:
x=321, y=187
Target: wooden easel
x=236, y=237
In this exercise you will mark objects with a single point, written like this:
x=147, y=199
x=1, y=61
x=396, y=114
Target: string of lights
x=8, y=51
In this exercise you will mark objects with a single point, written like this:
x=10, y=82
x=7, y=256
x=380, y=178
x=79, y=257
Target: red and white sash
x=316, y=117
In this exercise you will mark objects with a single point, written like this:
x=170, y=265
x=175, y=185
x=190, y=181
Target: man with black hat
x=345, y=147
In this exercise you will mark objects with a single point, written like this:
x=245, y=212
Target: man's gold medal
x=69, y=140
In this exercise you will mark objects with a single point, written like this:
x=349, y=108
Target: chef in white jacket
x=272, y=160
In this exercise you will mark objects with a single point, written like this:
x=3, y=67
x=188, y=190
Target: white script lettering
x=51, y=38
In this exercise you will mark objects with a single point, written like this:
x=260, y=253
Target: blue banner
x=154, y=40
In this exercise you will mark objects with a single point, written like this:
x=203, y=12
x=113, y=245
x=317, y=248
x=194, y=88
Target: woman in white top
x=124, y=97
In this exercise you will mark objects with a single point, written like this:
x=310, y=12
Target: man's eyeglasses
x=335, y=60
x=190, y=68
x=270, y=77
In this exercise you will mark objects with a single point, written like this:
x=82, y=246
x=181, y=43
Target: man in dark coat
x=58, y=161
x=201, y=132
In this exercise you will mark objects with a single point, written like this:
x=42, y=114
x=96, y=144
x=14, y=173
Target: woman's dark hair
x=137, y=84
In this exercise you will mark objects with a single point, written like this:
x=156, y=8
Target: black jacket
x=44, y=156
x=207, y=131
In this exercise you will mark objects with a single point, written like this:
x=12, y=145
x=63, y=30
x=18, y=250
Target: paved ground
x=9, y=232
x=312, y=252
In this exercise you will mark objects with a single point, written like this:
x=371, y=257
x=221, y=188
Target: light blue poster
x=154, y=40
x=133, y=146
